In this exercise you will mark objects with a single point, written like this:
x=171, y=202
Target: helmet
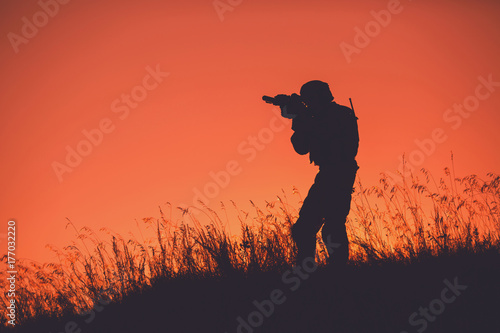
x=316, y=90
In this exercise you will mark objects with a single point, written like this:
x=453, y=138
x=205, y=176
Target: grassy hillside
x=424, y=257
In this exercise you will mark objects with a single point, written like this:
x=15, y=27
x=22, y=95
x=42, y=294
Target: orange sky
x=75, y=71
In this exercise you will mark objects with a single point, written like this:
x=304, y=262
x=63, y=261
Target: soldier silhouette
x=328, y=132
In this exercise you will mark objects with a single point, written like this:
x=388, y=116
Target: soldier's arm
x=302, y=126
x=296, y=106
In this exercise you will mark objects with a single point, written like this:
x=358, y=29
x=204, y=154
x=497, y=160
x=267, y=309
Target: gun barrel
x=268, y=99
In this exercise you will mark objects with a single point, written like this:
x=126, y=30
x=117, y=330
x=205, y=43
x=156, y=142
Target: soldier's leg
x=334, y=232
x=308, y=224
x=334, y=236
x=304, y=235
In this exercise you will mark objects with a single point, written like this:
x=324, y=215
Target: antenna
x=352, y=107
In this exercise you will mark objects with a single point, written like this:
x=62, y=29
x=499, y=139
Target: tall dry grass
x=418, y=217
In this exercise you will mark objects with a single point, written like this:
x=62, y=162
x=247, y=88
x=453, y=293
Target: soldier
x=328, y=132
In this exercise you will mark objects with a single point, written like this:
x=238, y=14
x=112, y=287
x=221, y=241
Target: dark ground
x=368, y=298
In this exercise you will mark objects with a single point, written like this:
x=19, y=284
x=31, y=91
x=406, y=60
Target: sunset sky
x=112, y=109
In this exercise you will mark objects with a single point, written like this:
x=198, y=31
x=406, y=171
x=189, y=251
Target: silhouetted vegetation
x=192, y=275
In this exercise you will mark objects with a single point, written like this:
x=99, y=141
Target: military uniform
x=330, y=136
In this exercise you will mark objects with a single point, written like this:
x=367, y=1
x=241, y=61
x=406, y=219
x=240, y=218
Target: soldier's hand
x=303, y=123
x=282, y=99
x=294, y=98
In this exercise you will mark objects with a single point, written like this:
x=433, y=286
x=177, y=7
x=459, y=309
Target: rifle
x=291, y=105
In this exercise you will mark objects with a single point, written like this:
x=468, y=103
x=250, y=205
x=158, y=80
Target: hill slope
x=456, y=293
